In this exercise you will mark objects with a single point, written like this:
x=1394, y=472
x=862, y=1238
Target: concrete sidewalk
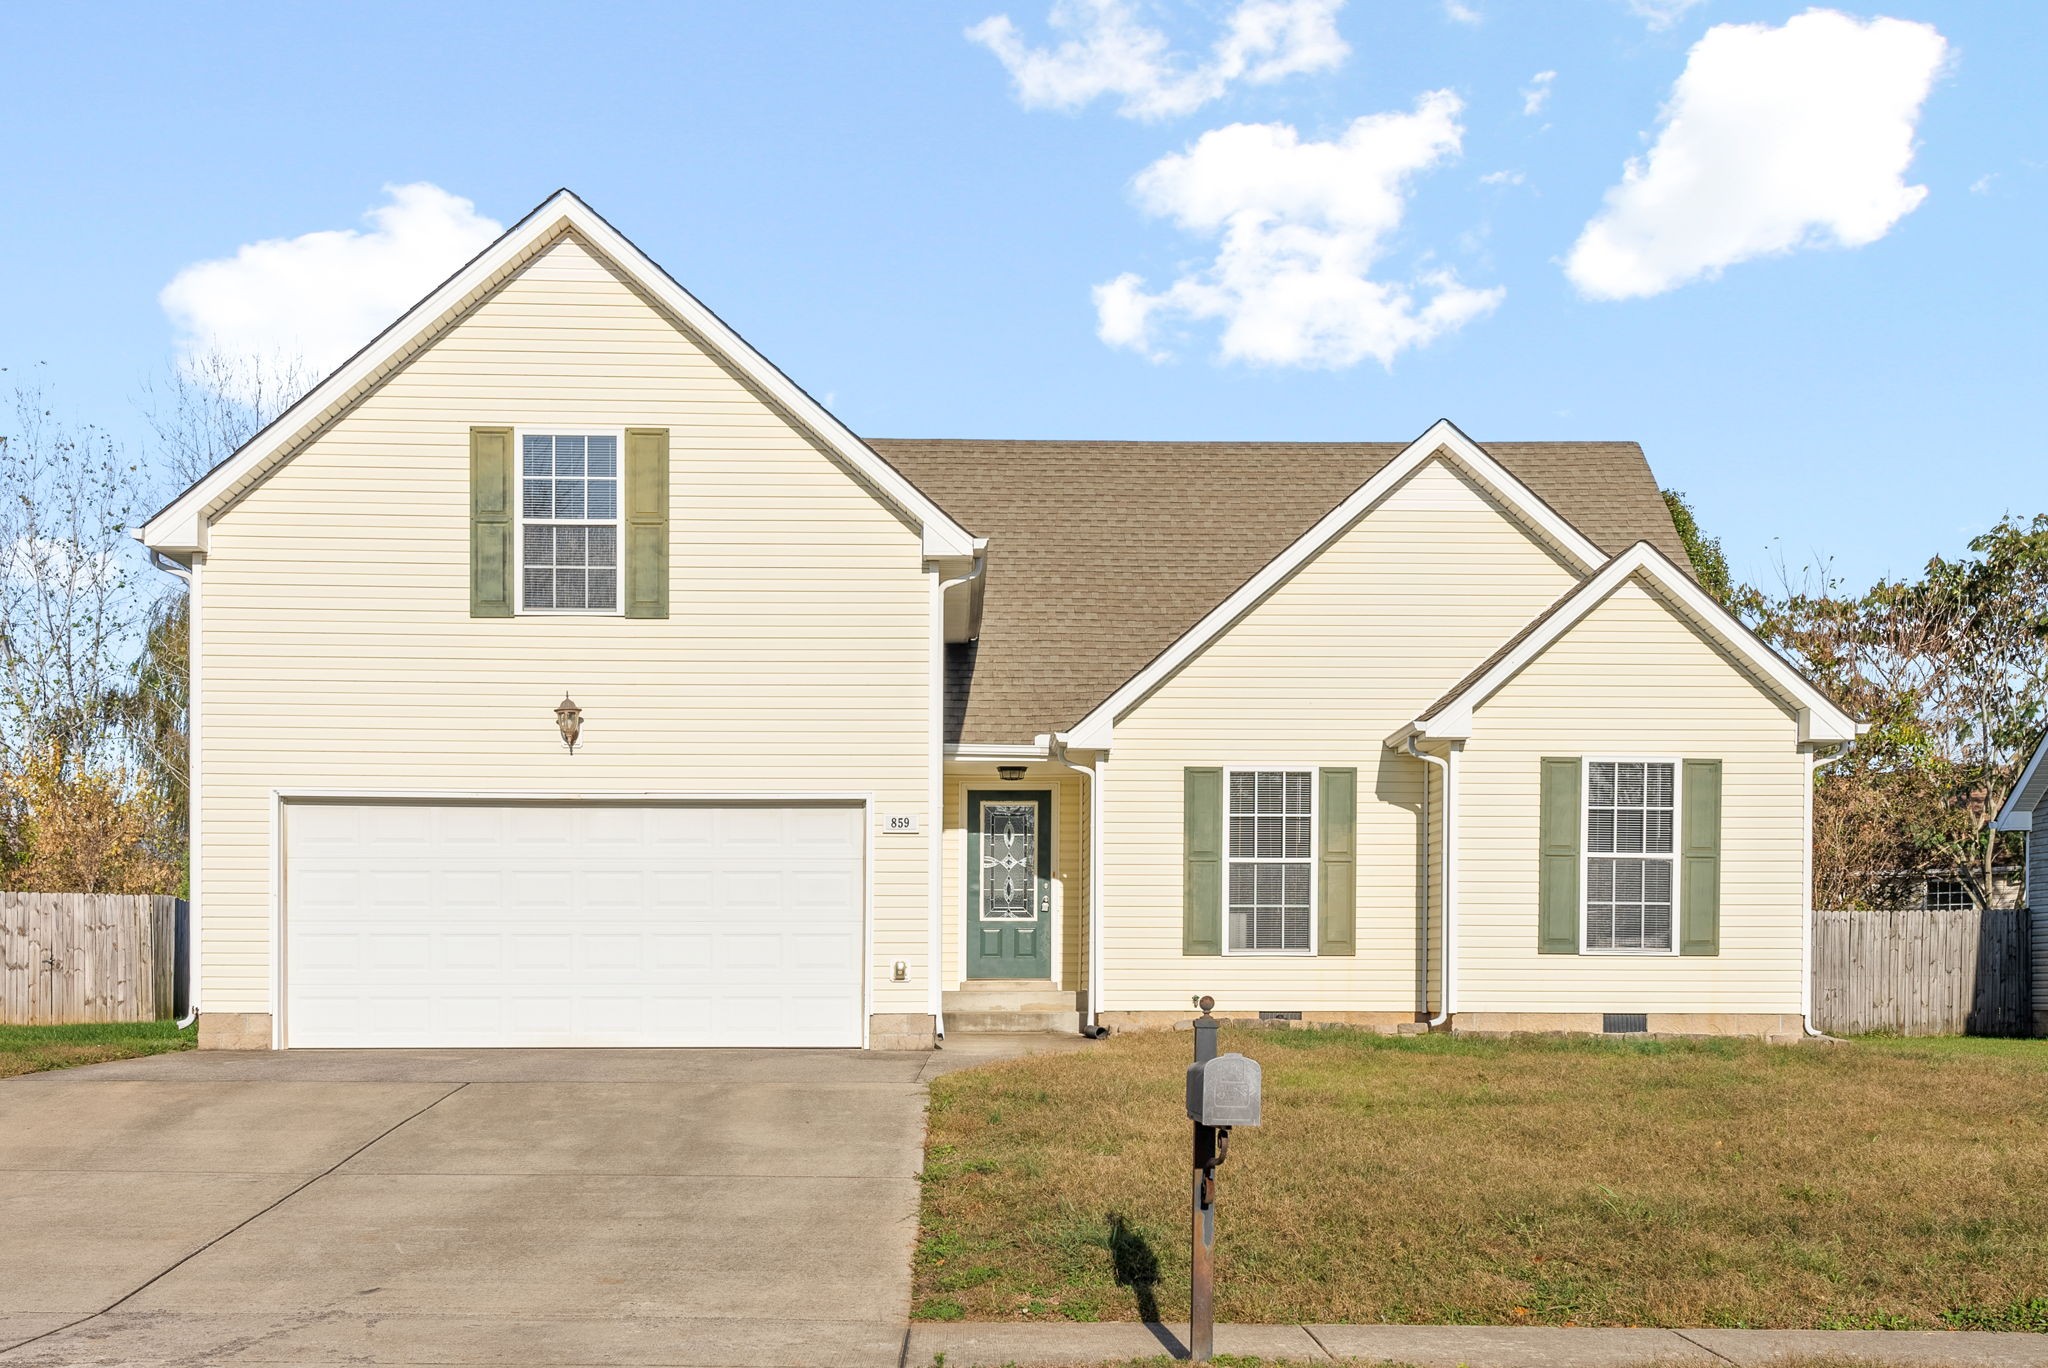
x=966, y=1345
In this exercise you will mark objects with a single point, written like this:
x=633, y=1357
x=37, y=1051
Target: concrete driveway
x=459, y=1207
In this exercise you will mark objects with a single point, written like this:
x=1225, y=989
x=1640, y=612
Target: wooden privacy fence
x=88, y=957
x=1946, y=971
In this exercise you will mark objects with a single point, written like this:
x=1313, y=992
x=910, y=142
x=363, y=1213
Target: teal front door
x=1009, y=885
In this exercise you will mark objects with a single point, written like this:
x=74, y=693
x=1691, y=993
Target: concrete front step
x=1013, y=1022
x=1010, y=995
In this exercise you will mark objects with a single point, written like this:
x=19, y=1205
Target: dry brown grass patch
x=1531, y=1181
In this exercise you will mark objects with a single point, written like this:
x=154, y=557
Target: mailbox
x=1224, y=1091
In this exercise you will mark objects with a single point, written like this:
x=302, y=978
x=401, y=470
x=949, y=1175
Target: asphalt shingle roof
x=1102, y=554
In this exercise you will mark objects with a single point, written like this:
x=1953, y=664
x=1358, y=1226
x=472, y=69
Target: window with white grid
x=569, y=522
x=1947, y=895
x=1631, y=853
x=1271, y=860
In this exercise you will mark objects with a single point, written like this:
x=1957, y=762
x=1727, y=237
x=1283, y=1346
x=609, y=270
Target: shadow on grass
x=1134, y=1265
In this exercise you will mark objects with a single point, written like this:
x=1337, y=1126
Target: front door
x=1009, y=885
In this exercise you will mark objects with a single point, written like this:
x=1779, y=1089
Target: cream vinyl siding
x=2037, y=908
x=1069, y=871
x=1365, y=635
x=1632, y=678
x=338, y=651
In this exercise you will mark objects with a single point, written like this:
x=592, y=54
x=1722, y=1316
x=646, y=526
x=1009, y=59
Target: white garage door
x=572, y=924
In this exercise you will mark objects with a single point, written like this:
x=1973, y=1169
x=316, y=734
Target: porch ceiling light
x=569, y=718
x=1009, y=774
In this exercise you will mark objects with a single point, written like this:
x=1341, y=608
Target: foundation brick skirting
x=234, y=1030
x=903, y=1031
x=1777, y=1028
x=251, y=1031
x=1386, y=1023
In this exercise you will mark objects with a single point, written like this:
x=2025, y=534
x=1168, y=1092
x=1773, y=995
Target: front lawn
x=31, y=1049
x=1880, y=1184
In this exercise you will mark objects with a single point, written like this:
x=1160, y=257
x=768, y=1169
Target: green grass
x=32, y=1049
x=1886, y=1183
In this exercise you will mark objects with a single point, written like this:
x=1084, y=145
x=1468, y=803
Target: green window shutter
x=646, y=527
x=1699, y=896
x=1557, y=916
x=1201, y=898
x=490, y=522
x=1337, y=864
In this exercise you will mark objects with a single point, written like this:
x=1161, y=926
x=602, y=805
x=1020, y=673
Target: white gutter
x=935, y=850
x=1443, y=1015
x=1814, y=760
x=191, y=966
x=1093, y=774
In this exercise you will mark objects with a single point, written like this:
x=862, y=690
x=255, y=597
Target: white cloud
x=1301, y=225
x=1982, y=185
x=1110, y=51
x=1774, y=139
x=1536, y=94
x=1502, y=178
x=1661, y=14
x=320, y=296
x=1458, y=12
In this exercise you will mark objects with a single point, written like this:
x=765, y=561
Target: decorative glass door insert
x=1009, y=902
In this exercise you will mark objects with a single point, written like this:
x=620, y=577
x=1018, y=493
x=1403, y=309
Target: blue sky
x=873, y=200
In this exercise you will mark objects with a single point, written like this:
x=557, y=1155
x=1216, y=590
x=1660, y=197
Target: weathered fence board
x=1946, y=971
x=87, y=957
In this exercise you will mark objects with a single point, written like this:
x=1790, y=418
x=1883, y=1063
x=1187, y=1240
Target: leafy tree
x=84, y=829
x=1950, y=671
x=1709, y=564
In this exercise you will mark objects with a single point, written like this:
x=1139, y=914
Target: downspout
x=1444, y=1014
x=936, y=851
x=1093, y=774
x=1814, y=761
x=171, y=567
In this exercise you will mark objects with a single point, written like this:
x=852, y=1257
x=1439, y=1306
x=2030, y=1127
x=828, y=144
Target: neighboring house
x=2027, y=810
x=874, y=732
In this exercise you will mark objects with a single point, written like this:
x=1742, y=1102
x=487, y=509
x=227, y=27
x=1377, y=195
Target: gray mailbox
x=1224, y=1091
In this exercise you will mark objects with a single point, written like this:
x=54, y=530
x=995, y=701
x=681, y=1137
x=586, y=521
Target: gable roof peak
x=180, y=528
x=1449, y=718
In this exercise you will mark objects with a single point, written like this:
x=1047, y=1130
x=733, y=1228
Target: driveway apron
x=461, y=1207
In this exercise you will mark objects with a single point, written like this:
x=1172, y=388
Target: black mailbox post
x=1223, y=1091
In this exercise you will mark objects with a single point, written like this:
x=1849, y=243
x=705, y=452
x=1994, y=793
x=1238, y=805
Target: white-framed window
x=1269, y=860
x=1946, y=895
x=569, y=534
x=1631, y=856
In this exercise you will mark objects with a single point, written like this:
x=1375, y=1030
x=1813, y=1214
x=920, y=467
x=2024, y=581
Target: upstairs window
x=1271, y=857
x=569, y=522
x=1631, y=853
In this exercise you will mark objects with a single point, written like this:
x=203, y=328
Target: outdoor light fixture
x=1009, y=774
x=569, y=718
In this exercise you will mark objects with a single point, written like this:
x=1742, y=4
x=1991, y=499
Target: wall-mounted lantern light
x=1009, y=774
x=569, y=718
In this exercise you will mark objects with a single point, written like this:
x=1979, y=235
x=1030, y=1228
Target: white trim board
x=1096, y=730
x=2027, y=794
x=1820, y=721
x=180, y=529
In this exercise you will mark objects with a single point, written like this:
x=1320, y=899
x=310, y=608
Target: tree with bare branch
x=70, y=604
